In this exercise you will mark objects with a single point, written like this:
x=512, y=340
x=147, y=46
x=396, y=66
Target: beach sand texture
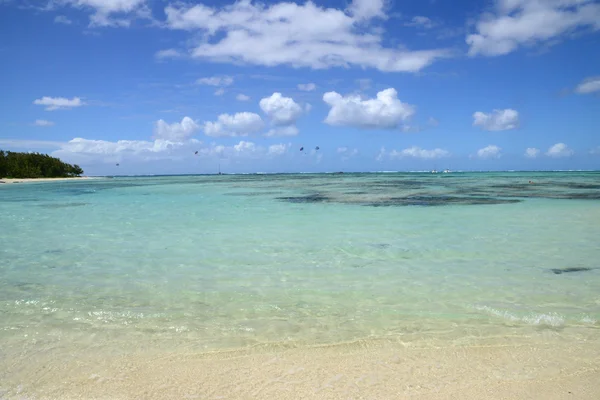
x=361, y=370
x=33, y=180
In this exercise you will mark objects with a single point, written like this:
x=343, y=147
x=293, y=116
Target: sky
x=186, y=87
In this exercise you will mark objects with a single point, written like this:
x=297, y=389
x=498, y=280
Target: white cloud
x=61, y=19
x=421, y=22
x=417, y=152
x=89, y=151
x=176, y=132
x=216, y=81
x=168, y=53
x=384, y=112
x=367, y=9
x=490, y=151
x=219, y=92
x=300, y=35
x=560, y=150
x=58, y=103
x=281, y=110
x=590, y=85
x=518, y=23
x=307, y=87
x=532, y=152
x=105, y=10
x=278, y=149
x=245, y=147
x=43, y=122
x=279, y=131
x=242, y=97
x=80, y=145
x=498, y=120
x=239, y=124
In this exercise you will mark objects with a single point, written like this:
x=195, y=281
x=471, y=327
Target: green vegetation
x=35, y=165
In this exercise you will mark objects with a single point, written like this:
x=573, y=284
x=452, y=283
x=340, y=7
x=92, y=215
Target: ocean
x=199, y=264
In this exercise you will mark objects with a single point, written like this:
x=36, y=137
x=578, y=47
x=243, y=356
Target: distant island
x=35, y=165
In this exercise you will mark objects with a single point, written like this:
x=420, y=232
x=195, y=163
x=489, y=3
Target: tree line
x=35, y=165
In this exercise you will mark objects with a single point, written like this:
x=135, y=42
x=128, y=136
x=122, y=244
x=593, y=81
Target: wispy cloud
x=58, y=103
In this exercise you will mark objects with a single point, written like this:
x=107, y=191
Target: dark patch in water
x=311, y=198
x=559, y=271
x=574, y=185
x=56, y=251
x=251, y=194
x=431, y=201
x=380, y=245
x=66, y=205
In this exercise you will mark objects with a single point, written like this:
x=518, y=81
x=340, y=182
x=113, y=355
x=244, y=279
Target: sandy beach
x=34, y=180
x=361, y=370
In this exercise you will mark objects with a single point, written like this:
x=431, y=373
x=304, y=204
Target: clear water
x=212, y=262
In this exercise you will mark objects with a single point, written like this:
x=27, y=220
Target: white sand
x=30, y=180
x=363, y=370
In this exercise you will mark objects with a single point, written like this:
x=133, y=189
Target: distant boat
x=220, y=169
x=446, y=171
x=434, y=171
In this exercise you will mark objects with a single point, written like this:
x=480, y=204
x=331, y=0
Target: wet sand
x=556, y=369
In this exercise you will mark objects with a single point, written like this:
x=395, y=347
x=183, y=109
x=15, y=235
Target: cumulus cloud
x=85, y=151
x=490, y=151
x=283, y=112
x=307, y=87
x=43, y=122
x=239, y=124
x=532, y=152
x=300, y=35
x=559, y=150
x=421, y=22
x=80, y=145
x=367, y=9
x=61, y=19
x=516, y=23
x=385, y=111
x=417, y=152
x=216, y=81
x=176, y=132
x=497, y=120
x=589, y=85
x=58, y=103
x=242, y=97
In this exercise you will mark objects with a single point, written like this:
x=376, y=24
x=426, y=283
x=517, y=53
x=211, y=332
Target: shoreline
x=552, y=369
x=35, y=180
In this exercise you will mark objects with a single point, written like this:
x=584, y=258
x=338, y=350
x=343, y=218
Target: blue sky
x=376, y=85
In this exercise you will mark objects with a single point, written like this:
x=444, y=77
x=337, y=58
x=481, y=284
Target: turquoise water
x=212, y=262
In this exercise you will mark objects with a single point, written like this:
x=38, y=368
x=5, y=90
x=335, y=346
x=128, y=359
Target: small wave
x=588, y=320
x=550, y=319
